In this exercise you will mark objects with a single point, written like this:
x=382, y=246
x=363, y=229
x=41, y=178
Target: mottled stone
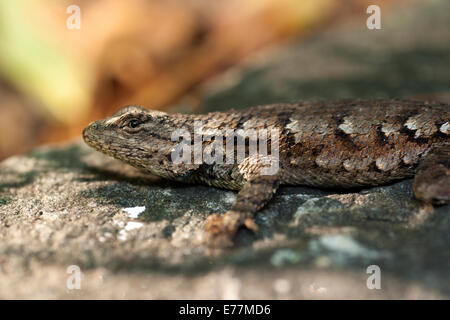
x=71, y=206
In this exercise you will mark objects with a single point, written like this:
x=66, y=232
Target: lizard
x=346, y=143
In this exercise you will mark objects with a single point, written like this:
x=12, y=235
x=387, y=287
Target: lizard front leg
x=432, y=181
x=255, y=193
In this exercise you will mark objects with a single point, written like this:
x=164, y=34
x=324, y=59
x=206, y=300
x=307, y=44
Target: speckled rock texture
x=69, y=205
x=66, y=206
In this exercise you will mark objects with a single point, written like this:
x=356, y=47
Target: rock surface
x=68, y=205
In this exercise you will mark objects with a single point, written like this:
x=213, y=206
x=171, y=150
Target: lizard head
x=134, y=135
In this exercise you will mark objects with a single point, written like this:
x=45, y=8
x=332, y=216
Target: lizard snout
x=90, y=130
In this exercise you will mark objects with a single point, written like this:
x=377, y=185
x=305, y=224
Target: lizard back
x=346, y=143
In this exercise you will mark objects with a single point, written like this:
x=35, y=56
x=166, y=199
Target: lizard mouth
x=95, y=137
x=89, y=136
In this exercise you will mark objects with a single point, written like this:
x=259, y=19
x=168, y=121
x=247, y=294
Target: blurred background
x=202, y=55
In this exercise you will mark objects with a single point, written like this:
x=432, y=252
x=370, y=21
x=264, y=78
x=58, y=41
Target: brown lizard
x=328, y=144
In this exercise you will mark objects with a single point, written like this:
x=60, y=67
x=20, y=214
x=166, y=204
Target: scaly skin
x=343, y=144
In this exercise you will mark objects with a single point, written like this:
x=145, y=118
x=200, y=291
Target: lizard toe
x=220, y=230
x=433, y=186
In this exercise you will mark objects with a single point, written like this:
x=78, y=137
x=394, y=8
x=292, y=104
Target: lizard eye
x=133, y=123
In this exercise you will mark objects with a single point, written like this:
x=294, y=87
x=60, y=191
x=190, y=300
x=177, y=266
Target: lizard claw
x=433, y=185
x=221, y=229
x=217, y=232
x=251, y=225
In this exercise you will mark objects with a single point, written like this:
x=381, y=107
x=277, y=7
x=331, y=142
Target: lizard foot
x=433, y=185
x=221, y=229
